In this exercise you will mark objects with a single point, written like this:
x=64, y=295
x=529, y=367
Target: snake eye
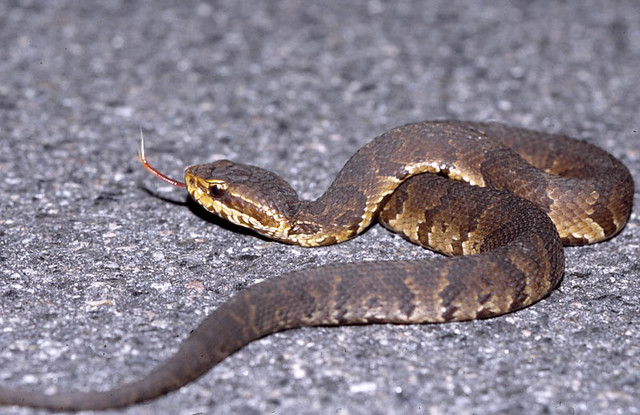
x=216, y=190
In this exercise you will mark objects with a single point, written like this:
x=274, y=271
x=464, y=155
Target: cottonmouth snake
x=576, y=194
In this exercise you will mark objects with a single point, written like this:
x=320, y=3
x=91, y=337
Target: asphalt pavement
x=104, y=269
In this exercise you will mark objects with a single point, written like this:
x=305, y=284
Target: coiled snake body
x=507, y=249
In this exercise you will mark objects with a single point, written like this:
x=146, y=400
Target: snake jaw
x=199, y=191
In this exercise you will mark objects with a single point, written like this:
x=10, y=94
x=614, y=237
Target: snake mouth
x=198, y=189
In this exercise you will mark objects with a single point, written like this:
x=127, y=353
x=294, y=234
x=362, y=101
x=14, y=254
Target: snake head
x=244, y=195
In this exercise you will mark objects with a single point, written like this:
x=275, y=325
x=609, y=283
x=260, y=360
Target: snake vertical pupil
x=216, y=190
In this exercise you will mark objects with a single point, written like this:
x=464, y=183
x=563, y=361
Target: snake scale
x=506, y=250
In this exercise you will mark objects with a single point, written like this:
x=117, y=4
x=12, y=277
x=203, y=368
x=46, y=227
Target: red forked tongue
x=153, y=171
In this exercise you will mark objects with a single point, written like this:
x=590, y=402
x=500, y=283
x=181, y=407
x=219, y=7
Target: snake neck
x=355, y=197
x=315, y=223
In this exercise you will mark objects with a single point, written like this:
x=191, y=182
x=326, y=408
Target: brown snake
x=575, y=194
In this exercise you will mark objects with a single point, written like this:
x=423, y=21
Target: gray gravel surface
x=104, y=269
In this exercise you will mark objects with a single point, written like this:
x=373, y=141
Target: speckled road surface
x=104, y=269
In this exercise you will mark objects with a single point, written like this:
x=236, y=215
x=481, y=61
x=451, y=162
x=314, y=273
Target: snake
x=498, y=201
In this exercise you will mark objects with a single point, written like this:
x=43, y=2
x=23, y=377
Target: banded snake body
x=504, y=233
